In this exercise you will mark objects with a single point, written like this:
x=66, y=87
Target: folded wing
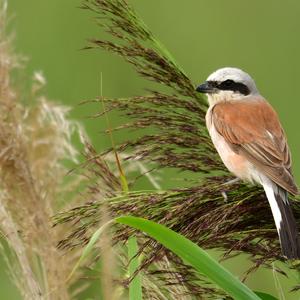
x=252, y=128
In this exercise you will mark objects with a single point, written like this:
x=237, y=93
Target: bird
x=247, y=134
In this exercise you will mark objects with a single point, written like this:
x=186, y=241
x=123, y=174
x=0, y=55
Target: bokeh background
x=261, y=37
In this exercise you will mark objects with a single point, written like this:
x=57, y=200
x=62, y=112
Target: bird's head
x=228, y=84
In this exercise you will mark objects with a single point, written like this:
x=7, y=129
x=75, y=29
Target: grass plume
x=35, y=141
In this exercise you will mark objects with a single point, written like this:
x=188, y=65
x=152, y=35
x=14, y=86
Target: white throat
x=223, y=96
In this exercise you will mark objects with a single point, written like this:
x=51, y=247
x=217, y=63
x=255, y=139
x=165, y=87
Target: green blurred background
x=261, y=37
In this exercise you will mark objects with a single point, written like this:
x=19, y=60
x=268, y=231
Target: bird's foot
x=227, y=183
x=232, y=181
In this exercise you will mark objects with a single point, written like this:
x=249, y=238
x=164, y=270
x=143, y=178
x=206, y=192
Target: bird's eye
x=231, y=85
x=227, y=83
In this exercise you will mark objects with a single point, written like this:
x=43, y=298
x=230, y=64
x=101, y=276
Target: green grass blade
x=124, y=183
x=193, y=255
x=265, y=296
x=135, y=286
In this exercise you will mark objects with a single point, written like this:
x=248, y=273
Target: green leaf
x=193, y=255
x=265, y=296
x=135, y=286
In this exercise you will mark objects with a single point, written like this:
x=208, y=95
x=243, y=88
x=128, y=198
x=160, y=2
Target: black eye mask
x=230, y=85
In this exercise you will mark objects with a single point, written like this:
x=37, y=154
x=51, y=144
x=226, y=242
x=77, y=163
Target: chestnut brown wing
x=252, y=128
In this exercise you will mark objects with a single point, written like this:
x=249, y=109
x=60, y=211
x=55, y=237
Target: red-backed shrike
x=250, y=140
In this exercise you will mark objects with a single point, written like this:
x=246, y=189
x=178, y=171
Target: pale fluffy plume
x=35, y=141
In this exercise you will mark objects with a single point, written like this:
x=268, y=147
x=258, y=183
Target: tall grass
x=37, y=139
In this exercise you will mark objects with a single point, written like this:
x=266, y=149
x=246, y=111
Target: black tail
x=285, y=221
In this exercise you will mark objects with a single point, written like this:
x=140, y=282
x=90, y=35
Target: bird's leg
x=223, y=193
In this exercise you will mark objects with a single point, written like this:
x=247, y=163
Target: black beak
x=205, y=88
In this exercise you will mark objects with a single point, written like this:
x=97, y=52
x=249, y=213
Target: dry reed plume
x=34, y=142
